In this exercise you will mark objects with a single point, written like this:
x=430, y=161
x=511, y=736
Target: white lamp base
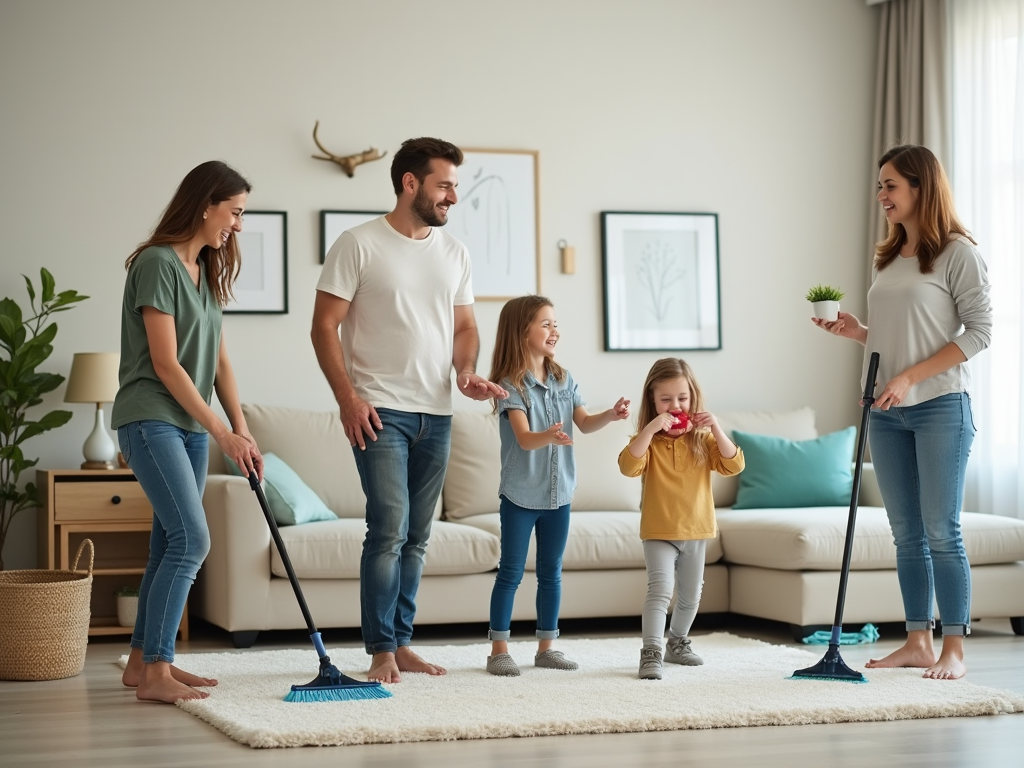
x=99, y=449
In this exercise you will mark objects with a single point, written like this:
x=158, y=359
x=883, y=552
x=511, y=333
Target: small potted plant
x=825, y=300
x=127, y=605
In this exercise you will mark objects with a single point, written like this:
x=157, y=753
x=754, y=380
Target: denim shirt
x=544, y=478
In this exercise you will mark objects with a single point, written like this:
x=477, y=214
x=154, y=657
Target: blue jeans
x=170, y=464
x=517, y=525
x=402, y=472
x=920, y=456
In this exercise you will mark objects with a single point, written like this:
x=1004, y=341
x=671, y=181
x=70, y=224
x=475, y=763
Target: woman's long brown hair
x=511, y=358
x=207, y=184
x=666, y=369
x=936, y=216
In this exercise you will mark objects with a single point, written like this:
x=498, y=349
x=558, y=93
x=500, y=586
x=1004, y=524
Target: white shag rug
x=742, y=683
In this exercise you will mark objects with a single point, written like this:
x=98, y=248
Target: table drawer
x=120, y=500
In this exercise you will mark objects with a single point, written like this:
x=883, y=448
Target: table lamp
x=93, y=379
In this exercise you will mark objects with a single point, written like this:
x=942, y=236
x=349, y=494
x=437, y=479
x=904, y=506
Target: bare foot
x=157, y=684
x=384, y=669
x=410, y=661
x=907, y=656
x=950, y=665
x=133, y=673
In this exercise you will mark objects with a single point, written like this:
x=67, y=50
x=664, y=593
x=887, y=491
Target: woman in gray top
x=929, y=313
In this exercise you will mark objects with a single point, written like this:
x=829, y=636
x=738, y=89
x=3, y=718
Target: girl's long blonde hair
x=666, y=369
x=511, y=358
x=936, y=216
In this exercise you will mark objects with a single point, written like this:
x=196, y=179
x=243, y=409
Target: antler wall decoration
x=349, y=162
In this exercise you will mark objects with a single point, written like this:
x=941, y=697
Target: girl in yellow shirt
x=674, y=453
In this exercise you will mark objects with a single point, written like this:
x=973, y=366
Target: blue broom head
x=331, y=685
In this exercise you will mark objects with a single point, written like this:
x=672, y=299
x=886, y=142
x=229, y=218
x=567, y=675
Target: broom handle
x=254, y=483
x=869, y=399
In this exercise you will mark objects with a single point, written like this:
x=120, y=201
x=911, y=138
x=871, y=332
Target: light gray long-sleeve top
x=912, y=316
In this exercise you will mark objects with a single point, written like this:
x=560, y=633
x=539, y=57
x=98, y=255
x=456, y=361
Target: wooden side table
x=109, y=507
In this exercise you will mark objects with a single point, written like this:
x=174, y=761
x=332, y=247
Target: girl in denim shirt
x=538, y=470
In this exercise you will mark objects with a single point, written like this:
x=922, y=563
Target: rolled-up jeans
x=401, y=472
x=920, y=458
x=170, y=464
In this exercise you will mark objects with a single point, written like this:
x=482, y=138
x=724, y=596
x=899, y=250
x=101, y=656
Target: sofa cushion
x=797, y=424
x=313, y=443
x=597, y=540
x=331, y=550
x=813, y=538
x=474, y=468
x=291, y=501
x=795, y=473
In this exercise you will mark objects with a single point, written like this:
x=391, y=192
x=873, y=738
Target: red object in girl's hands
x=682, y=419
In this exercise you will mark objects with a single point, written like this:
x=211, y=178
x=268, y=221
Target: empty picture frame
x=262, y=283
x=498, y=219
x=333, y=223
x=661, y=282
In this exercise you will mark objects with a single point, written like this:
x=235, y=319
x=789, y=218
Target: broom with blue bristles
x=832, y=666
x=329, y=684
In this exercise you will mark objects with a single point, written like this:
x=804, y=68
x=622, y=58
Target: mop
x=832, y=666
x=329, y=684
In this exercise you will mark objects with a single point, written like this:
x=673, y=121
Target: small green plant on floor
x=824, y=293
x=127, y=592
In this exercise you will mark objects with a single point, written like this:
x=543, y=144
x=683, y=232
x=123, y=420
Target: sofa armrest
x=870, y=495
x=233, y=587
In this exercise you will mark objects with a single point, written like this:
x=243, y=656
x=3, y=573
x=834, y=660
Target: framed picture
x=262, y=283
x=498, y=218
x=333, y=223
x=661, y=286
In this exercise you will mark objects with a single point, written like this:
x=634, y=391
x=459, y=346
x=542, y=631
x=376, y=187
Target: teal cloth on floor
x=868, y=634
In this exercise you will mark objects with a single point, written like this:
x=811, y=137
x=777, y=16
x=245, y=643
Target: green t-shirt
x=158, y=279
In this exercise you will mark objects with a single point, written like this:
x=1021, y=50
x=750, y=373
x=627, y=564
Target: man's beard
x=425, y=209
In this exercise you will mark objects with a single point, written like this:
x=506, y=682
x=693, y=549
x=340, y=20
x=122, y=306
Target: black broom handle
x=869, y=399
x=254, y=483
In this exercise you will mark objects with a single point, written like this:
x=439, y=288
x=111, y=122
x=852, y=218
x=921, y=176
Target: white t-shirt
x=398, y=336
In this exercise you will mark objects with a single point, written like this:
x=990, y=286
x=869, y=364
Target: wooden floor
x=91, y=720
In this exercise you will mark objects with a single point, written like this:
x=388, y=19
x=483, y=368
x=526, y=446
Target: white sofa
x=779, y=564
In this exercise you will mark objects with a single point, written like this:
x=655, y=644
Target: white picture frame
x=333, y=223
x=262, y=283
x=661, y=281
x=497, y=217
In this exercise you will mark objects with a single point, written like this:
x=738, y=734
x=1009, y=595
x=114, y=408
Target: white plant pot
x=826, y=310
x=127, y=610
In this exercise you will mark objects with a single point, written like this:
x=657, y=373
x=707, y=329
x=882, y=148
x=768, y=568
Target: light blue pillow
x=291, y=501
x=795, y=473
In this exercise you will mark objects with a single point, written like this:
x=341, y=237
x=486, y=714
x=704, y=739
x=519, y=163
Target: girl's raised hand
x=621, y=409
x=557, y=436
x=663, y=422
x=704, y=419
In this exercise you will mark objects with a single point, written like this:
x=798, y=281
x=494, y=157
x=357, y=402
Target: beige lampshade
x=93, y=378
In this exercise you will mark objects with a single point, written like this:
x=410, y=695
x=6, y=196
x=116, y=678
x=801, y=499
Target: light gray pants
x=681, y=562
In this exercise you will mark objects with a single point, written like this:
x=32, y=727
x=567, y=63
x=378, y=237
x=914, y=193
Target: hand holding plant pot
x=825, y=300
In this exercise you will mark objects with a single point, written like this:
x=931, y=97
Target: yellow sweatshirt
x=676, y=502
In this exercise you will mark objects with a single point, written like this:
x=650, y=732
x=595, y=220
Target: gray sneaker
x=678, y=651
x=650, y=663
x=554, y=660
x=502, y=665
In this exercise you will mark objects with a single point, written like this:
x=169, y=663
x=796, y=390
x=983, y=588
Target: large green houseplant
x=26, y=342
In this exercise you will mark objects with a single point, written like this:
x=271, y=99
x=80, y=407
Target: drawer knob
x=116, y=499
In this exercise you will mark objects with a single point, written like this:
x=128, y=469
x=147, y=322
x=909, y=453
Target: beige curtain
x=911, y=101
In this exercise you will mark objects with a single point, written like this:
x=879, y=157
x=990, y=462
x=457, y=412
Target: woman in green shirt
x=172, y=358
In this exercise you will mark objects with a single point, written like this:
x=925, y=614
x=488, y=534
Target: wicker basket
x=44, y=621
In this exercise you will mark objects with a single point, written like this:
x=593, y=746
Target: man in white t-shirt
x=400, y=289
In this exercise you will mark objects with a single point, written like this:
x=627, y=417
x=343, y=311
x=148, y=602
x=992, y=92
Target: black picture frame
x=661, y=281
x=261, y=287
x=333, y=223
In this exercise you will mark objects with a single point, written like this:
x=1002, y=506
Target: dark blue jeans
x=170, y=464
x=402, y=472
x=920, y=456
x=517, y=526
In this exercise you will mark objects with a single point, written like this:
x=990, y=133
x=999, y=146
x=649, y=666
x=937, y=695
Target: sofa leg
x=799, y=632
x=1017, y=622
x=244, y=639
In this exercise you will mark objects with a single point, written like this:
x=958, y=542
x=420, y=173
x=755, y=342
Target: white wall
x=759, y=111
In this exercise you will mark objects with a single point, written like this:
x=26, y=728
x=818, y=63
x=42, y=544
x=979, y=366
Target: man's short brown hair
x=415, y=155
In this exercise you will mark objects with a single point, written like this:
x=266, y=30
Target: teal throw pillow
x=291, y=501
x=795, y=473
